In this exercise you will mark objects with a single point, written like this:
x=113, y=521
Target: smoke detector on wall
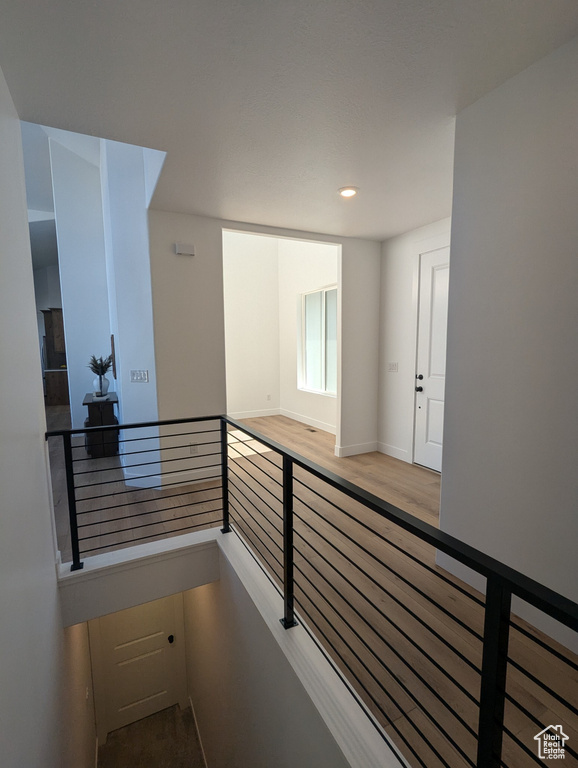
x=184, y=249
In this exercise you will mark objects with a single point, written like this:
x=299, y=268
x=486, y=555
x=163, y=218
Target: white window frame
x=302, y=379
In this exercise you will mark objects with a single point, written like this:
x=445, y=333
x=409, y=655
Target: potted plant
x=99, y=366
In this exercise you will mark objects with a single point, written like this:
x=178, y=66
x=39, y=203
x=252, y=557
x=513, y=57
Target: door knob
x=419, y=376
x=419, y=389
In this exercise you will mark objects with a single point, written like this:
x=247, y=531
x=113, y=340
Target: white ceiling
x=266, y=108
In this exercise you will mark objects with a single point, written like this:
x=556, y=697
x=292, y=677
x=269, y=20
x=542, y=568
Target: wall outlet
x=267, y=397
x=139, y=376
x=392, y=367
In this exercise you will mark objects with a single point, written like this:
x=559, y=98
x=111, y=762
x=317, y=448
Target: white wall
x=398, y=335
x=83, y=279
x=78, y=719
x=357, y=413
x=251, y=299
x=251, y=708
x=511, y=428
x=187, y=294
x=129, y=282
x=31, y=652
x=303, y=266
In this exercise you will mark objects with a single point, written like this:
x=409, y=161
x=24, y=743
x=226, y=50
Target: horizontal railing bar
x=347, y=683
x=144, y=477
x=542, y=685
x=152, y=536
x=152, y=488
x=266, y=503
x=399, y=656
x=459, y=622
x=522, y=745
x=366, y=691
x=258, y=562
x=135, y=425
x=143, y=501
x=535, y=720
x=152, y=512
x=160, y=449
x=253, y=464
x=256, y=535
x=391, y=544
x=523, y=710
x=402, y=632
x=548, y=601
x=264, y=487
x=146, y=525
x=252, y=530
x=261, y=455
x=148, y=463
x=554, y=651
x=279, y=546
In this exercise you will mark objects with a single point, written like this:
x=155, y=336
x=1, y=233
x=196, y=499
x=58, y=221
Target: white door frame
x=427, y=244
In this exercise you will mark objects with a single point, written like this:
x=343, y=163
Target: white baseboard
x=396, y=453
x=254, y=414
x=307, y=420
x=353, y=450
x=96, y=754
x=198, y=732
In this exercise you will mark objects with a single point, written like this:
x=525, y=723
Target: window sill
x=317, y=392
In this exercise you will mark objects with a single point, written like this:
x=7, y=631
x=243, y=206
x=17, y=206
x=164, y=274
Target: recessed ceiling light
x=348, y=191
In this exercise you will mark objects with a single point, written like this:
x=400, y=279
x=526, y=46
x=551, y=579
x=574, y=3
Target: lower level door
x=138, y=663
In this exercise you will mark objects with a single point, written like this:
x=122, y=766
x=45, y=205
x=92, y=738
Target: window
x=318, y=371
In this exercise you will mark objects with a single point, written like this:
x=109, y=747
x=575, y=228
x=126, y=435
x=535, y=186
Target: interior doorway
x=269, y=286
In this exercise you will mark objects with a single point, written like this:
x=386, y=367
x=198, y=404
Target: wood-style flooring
x=404, y=632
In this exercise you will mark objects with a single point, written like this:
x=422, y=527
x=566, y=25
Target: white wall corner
x=191, y=705
x=342, y=451
x=397, y=453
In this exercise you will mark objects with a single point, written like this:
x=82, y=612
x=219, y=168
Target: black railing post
x=225, y=476
x=67, y=442
x=494, y=669
x=288, y=619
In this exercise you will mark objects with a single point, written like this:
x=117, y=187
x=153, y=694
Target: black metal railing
x=131, y=483
x=447, y=674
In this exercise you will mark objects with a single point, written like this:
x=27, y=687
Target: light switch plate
x=139, y=376
x=392, y=367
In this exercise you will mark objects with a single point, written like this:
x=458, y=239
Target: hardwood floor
x=403, y=631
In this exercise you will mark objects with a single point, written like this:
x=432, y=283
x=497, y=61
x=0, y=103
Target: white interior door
x=138, y=662
x=431, y=357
